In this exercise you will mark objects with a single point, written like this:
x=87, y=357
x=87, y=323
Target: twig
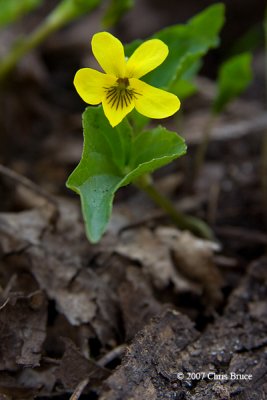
x=79, y=389
x=117, y=352
x=9, y=286
x=50, y=360
x=5, y=171
x=4, y=304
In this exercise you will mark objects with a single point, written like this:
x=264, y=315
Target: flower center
x=120, y=95
x=123, y=83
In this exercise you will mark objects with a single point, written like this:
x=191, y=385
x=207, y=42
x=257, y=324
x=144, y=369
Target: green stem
x=23, y=47
x=60, y=16
x=203, y=146
x=184, y=222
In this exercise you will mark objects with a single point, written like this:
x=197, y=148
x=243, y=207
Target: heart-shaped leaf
x=112, y=158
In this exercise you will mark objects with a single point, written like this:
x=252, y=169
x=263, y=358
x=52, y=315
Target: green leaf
x=116, y=10
x=234, y=77
x=113, y=158
x=153, y=149
x=11, y=10
x=187, y=44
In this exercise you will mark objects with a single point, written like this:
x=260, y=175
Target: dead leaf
x=194, y=258
x=23, y=331
x=74, y=368
x=142, y=245
x=137, y=302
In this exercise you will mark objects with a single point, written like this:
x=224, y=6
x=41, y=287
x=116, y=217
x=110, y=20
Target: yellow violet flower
x=119, y=88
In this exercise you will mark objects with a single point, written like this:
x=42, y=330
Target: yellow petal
x=91, y=84
x=153, y=102
x=116, y=111
x=109, y=53
x=148, y=56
